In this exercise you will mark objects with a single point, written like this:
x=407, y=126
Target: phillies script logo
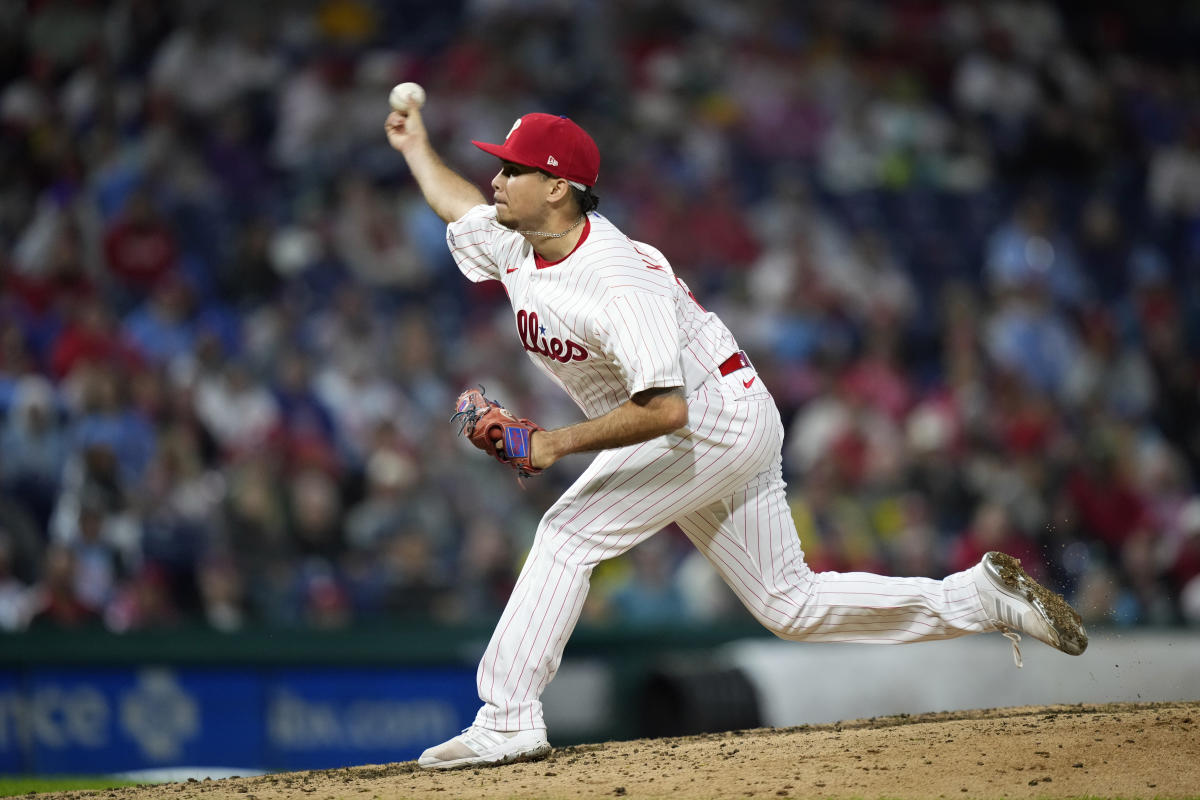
x=534, y=340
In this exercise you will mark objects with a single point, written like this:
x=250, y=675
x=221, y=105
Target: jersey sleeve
x=472, y=240
x=639, y=332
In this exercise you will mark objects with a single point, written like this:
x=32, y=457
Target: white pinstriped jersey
x=609, y=320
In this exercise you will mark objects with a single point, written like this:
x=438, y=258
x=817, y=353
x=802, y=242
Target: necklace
x=554, y=235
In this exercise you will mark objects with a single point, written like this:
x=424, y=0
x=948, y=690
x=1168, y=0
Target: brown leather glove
x=486, y=422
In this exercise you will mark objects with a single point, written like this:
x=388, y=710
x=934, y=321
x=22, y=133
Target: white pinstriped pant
x=722, y=485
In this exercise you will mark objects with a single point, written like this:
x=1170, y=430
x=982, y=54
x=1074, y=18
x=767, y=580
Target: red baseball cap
x=551, y=143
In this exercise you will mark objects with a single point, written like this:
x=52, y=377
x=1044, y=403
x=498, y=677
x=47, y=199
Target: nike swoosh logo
x=511, y=269
x=747, y=383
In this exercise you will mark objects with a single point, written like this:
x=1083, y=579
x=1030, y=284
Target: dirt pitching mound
x=1119, y=750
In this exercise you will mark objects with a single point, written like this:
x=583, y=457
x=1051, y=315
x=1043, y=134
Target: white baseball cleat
x=1019, y=604
x=477, y=746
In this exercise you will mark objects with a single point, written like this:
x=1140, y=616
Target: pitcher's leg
x=543, y=608
x=626, y=495
x=752, y=541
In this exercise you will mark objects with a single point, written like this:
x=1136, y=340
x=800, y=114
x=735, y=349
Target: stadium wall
x=274, y=700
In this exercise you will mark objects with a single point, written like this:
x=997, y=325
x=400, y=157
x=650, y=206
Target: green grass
x=13, y=785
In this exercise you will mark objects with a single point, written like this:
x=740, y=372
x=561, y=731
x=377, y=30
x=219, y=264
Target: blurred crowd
x=960, y=241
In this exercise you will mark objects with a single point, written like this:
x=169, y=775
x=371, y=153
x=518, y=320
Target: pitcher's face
x=520, y=194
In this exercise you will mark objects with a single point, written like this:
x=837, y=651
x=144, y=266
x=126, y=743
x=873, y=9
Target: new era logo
x=552, y=161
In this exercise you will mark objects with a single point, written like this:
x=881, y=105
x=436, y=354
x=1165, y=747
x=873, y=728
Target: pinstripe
x=649, y=521
x=548, y=527
x=615, y=543
x=571, y=296
x=579, y=541
x=846, y=600
x=720, y=479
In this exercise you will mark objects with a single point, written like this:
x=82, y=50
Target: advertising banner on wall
x=71, y=720
x=330, y=718
x=10, y=751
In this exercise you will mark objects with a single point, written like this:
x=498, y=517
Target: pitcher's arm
x=449, y=194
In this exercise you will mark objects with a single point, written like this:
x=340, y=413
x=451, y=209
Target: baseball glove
x=486, y=422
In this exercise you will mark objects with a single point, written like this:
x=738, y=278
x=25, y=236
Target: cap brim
x=501, y=152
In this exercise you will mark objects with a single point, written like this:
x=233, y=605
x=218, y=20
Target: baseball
x=406, y=95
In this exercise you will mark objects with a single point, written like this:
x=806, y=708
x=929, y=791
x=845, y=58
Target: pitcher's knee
x=787, y=613
x=568, y=549
x=788, y=630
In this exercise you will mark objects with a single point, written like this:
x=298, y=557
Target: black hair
x=586, y=198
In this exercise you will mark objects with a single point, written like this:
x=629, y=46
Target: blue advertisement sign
x=115, y=720
x=10, y=733
x=112, y=720
x=331, y=718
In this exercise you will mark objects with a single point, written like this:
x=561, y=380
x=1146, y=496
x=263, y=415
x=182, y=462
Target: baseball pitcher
x=683, y=428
